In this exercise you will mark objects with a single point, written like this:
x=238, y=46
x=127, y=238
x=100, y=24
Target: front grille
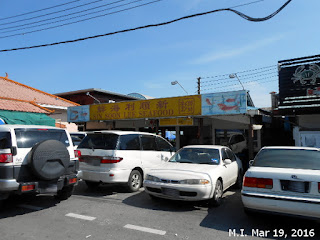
x=169, y=181
x=295, y=186
x=188, y=194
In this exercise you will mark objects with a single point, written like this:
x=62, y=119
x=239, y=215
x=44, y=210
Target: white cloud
x=214, y=56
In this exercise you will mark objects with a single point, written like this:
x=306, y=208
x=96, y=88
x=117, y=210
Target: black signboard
x=299, y=86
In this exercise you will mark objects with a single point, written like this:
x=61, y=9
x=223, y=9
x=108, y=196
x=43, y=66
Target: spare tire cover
x=49, y=159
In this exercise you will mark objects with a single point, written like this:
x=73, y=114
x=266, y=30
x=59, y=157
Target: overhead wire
x=48, y=14
x=39, y=10
x=86, y=19
x=246, y=17
x=63, y=20
x=250, y=70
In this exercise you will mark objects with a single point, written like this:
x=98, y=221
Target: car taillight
x=258, y=182
x=319, y=187
x=28, y=188
x=77, y=153
x=111, y=159
x=6, y=158
x=72, y=180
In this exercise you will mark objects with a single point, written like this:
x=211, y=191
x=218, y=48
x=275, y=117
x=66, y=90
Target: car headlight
x=195, y=181
x=152, y=178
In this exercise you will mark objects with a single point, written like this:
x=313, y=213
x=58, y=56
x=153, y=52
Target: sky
x=147, y=61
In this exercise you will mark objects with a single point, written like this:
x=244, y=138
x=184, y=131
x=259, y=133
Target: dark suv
x=37, y=159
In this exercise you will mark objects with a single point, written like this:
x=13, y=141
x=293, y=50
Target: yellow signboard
x=152, y=108
x=176, y=122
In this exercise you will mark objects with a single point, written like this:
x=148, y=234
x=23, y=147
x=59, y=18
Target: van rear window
x=100, y=141
x=5, y=140
x=27, y=138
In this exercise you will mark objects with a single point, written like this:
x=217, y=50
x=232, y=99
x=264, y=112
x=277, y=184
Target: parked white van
x=121, y=157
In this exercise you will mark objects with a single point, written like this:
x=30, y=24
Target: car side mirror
x=227, y=161
x=14, y=151
x=250, y=163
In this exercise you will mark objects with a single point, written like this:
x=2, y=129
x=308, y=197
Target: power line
x=47, y=14
x=234, y=86
x=156, y=25
x=23, y=14
x=86, y=19
x=255, y=80
x=250, y=70
x=45, y=20
x=246, y=76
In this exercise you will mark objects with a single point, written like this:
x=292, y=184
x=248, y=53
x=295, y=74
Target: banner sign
x=224, y=103
x=176, y=122
x=299, y=84
x=152, y=108
x=79, y=114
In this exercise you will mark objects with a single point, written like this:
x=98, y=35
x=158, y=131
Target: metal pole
x=199, y=78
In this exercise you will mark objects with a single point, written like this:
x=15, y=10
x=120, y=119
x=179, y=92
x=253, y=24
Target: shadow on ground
x=231, y=216
x=25, y=204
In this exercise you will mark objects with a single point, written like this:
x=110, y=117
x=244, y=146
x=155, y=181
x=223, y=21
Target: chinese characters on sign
x=165, y=107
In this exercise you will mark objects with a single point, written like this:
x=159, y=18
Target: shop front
x=217, y=118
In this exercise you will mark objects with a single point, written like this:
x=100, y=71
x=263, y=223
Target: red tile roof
x=15, y=90
x=21, y=106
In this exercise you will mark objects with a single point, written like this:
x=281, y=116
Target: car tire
x=64, y=193
x=49, y=159
x=92, y=185
x=238, y=183
x=135, y=181
x=216, y=200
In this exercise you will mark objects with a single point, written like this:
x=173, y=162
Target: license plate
x=170, y=192
x=295, y=186
x=93, y=161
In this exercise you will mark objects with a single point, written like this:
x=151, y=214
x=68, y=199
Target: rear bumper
x=109, y=176
x=11, y=185
x=8, y=185
x=299, y=206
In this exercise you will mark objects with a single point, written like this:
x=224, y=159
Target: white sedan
x=284, y=180
x=199, y=172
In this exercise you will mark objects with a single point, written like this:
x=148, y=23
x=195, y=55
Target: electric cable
x=155, y=25
x=70, y=14
x=86, y=19
x=40, y=10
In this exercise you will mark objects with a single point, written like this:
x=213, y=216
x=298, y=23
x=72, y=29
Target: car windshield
x=27, y=138
x=197, y=156
x=100, y=141
x=288, y=158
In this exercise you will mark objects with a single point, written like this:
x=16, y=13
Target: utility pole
x=200, y=124
x=199, y=78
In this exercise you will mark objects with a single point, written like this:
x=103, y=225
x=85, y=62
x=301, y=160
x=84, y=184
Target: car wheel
x=64, y=193
x=215, y=201
x=238, y=183
x=92, y=185
x=135, y=181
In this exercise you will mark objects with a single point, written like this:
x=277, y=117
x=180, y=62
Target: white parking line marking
x=226, y=194
x=83, y=217
x=144, y=229
x=30, y=207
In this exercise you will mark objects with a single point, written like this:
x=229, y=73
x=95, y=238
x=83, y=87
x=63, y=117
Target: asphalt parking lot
x=111, y=213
